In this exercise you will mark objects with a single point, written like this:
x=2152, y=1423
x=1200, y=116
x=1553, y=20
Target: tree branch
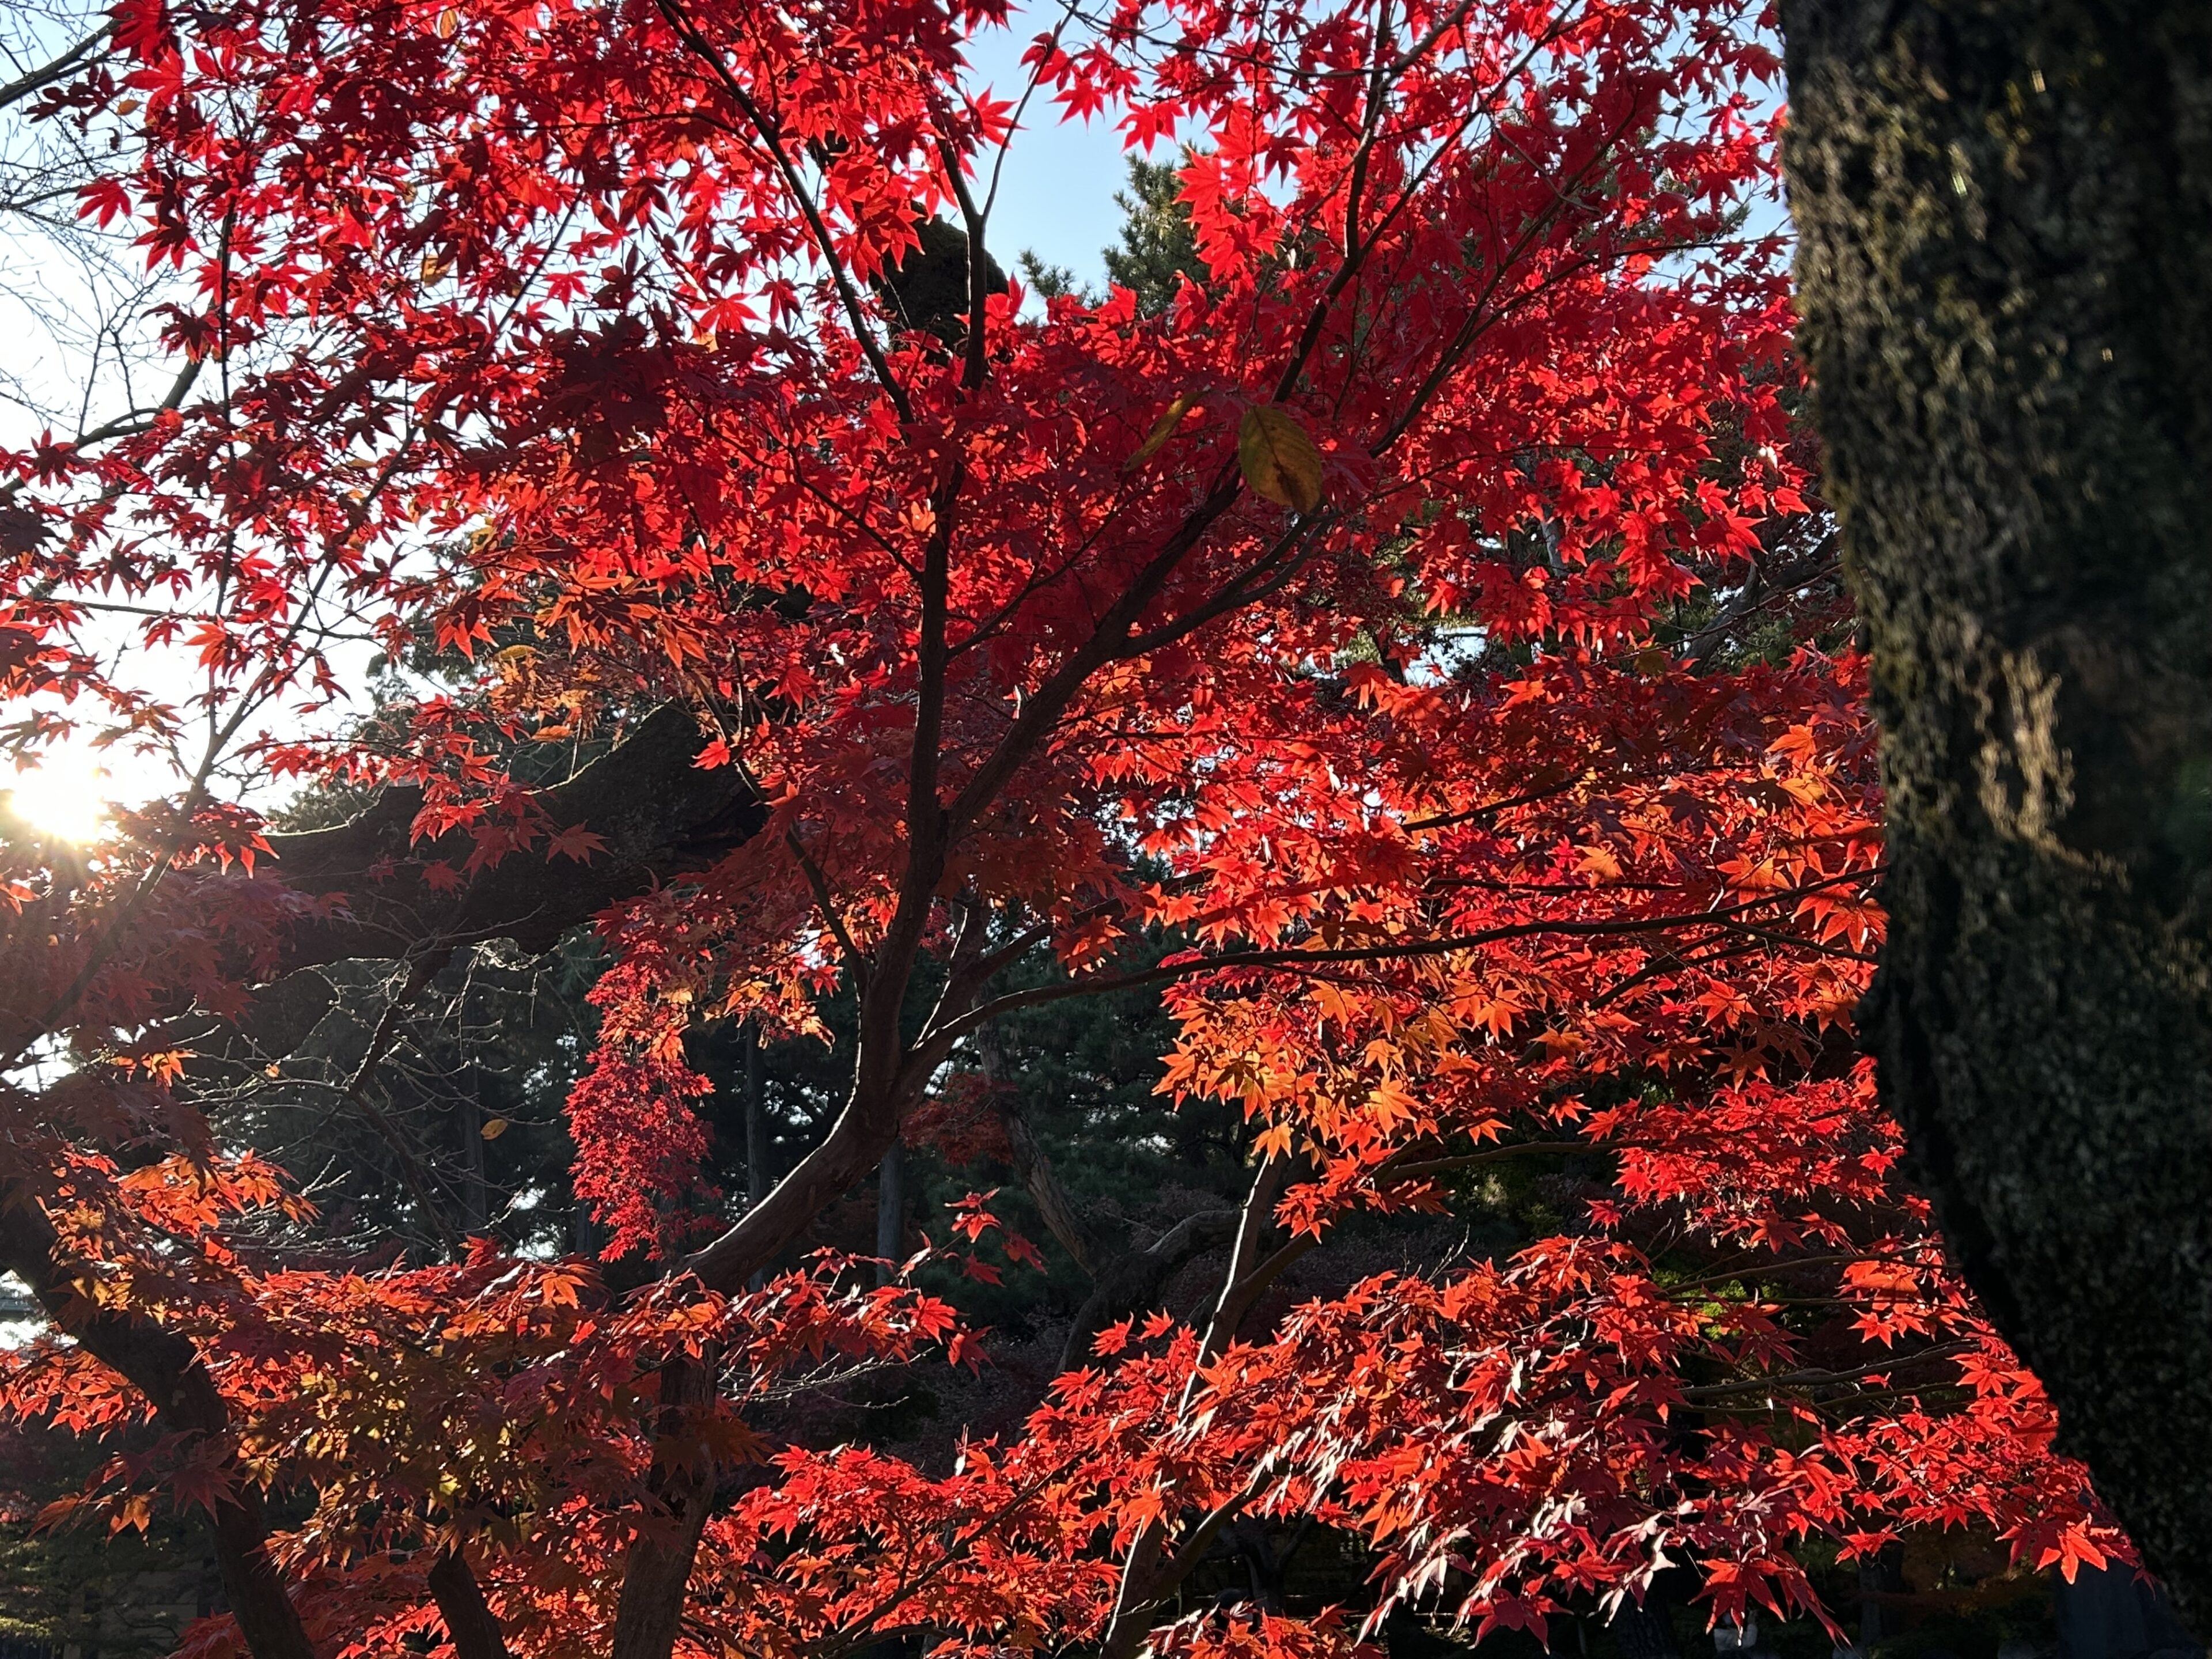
x=469, y=1622
x=1295, y=958
x=657, y=815
x=165, y=1367
x=690, y=33
x=24, y=85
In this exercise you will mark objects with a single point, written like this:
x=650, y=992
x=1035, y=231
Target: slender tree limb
x=1141, y=1574
x=165, y=1367
x=1815, y=1379
x=38, y=79
x=1132, y=1281
x=856, y=316
x=1295, y=958
x=824, y=902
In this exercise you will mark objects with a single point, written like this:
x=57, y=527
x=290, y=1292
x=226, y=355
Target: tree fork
x=2005, y=215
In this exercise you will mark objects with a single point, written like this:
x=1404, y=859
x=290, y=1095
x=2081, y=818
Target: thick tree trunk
x=2005, y=209
x=657, y=1577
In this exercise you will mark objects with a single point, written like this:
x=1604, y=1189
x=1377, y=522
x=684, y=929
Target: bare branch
x=38, y=79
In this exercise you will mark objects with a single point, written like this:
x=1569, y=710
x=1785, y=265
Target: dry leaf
x=1279, y=460
x=1163, y=429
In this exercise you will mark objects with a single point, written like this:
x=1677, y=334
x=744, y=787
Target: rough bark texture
x=2005, y=209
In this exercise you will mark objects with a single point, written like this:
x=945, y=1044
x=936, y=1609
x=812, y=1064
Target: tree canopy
x=1394, y=669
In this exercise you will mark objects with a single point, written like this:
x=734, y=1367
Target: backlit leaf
x=1279, y=460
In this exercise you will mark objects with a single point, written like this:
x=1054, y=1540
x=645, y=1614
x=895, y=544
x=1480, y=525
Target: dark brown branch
x=657, y=815
x=1294, y=958
x=974, y=362
x=1041, y=711
x=469, y=1622
x=826, y=902
x=1143, y=1579
x=165, y=1367
x=1033, y=1169
x=704, y=49
x=125, y=426
x=1132, y=1281
x=889, y=1075
x=656, y=1575
x=38, y=79
x=1815, y=1379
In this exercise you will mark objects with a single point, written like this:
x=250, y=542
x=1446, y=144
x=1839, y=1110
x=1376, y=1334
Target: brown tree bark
x=471, y=1625
x=2005, y=273
x=657, y=1576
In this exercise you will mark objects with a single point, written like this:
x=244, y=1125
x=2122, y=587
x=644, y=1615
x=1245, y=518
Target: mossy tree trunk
x=2005, y=213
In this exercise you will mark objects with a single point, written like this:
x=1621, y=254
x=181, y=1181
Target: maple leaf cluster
x=1328, y=624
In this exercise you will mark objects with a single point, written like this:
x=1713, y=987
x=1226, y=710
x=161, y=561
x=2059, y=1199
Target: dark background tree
x=2005, y=215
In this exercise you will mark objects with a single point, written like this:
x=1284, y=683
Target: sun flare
x=64, y=798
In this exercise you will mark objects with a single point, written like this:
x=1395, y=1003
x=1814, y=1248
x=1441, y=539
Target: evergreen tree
x=1158, y=248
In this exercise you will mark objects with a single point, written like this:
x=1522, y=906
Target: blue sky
x=1056, y=194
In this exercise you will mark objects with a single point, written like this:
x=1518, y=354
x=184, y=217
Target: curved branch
x=165, y=1367
x=656, y=814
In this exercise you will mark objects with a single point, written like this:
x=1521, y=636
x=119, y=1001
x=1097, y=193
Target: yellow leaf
x=1600, y=862
x=449, y=23
x=1279, y=461
x=1334, y=1003
x=1390, y=1103
x=494, y=1128
x=1163, y=429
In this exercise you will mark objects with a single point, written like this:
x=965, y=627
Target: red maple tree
x=588, y=342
